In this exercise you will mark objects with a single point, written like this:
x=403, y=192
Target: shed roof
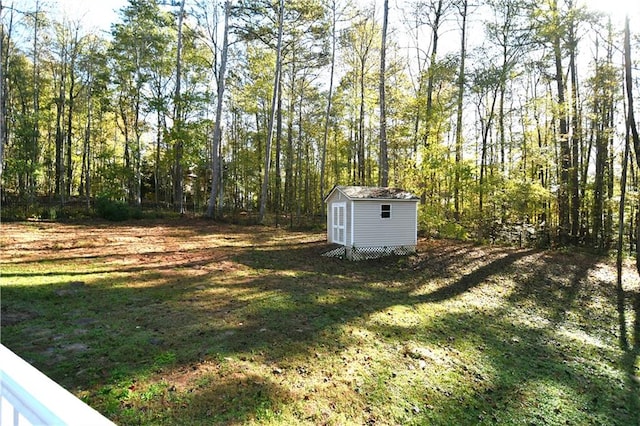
x=374, y=193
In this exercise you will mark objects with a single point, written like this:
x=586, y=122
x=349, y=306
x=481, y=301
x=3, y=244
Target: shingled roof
x=375, y=192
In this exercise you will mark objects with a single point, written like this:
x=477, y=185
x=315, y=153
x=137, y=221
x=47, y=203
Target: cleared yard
x=193, y=322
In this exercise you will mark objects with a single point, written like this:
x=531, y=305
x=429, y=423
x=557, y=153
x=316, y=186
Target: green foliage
x=165, y=358
x=112, y=210
x=429, y=219
x=523, y=198
x=453, y=230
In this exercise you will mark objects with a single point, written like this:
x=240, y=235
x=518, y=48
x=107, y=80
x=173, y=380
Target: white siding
x=338, y=197
x=371, y=230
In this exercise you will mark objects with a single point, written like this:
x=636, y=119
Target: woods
x=507, y=117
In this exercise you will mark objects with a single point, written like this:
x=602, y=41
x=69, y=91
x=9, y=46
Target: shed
x=368, y=222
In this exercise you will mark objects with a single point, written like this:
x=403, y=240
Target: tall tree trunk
x=563, y=136
x=431, y=72
x=276, y=88
x=156, y=169
x=486, y=127
x=70, y=111
x=327, y=117
x=289, y=160
x=624, y=343
x=217, y=133
x=137, y=186
x=632, y=124
x=2, y=98
x=457, y=201
x=69, y=136
x=278, y=177
x=60, y=105
x=576, y=136
x=36, y=101
x=178, y=194
x=603, y=108
x=360, y=136
x=86, y=151
x=127, y=151
x=384, y=157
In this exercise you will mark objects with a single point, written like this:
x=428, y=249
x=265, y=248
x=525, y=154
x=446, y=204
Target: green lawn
x=198, y=323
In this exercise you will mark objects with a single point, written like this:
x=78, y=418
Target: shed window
x=385, y=211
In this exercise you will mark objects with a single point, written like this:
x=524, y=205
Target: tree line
x=505, y=117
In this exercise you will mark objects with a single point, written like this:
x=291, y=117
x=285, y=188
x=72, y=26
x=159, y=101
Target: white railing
x=28, y=397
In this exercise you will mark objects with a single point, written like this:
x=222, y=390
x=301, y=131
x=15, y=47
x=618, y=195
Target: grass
x=154, y=322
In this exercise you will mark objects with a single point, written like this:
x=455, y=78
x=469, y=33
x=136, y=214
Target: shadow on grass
x=293, y=308
x=631, y=347
x=477, y=276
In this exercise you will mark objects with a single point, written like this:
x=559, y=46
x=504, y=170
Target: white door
x=339, y=220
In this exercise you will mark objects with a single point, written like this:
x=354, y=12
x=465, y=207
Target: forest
x=505, y=117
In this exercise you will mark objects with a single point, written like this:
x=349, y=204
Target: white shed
x=371, y=221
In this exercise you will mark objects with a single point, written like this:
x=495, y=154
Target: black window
x=385, y=211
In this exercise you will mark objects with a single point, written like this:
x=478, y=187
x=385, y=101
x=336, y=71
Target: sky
x=101, y=13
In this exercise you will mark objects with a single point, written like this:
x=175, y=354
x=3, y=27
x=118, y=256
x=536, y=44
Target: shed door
x=339, y=220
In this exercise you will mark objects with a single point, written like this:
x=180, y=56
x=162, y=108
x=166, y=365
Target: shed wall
x=371, y=230
x=338, y=197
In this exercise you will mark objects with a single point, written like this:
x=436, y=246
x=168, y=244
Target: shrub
x=115, y=211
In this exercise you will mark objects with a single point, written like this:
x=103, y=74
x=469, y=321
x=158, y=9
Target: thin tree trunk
x=631, y=123
x=137, y=185
x=360, y=140
x=485, y=141
x=2, y=98
x=69, y=133
x=274, y=100
x=630, y=114
x=217, y=133
x=576, y=134
x=278, y=177
x=384, y=156
x=36, y=101
x=87, y=151
x=156, y=169
x=565, y=153
x=619, y=288
x=177, y=116
x=60, y=104
x=457, y=202
x=431, y=72
x=323, y=159
x=289, y=180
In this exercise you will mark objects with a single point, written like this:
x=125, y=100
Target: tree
x=462, y=10
x=486, y=85
x=177, y=131
x=217, y=133
x=384, y=158
x=3, y=96
x=436, y=11
x=552, y=30
x=604, y=85
x=327, y=116
x=358, y=44
x=631, y=120
x=274, y=99
x=37, y=22
x=138, y=44
x=632, y=129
